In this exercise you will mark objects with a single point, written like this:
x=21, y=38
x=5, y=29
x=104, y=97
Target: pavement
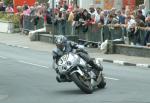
x=23, y=41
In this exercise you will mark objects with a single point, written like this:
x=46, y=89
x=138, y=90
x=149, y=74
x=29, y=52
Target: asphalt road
x=26, y=76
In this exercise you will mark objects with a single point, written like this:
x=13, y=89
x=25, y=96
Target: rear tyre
x=85, y=86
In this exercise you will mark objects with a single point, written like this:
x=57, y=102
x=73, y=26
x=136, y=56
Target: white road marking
x=99, y=59
x=22, y=47
x=111, y=78
x=142, y=65
x=16, y=45
x=34, y=64
x=118, y=62
x=3, y=57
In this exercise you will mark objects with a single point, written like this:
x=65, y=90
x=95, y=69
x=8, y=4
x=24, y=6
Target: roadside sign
x=22, y=2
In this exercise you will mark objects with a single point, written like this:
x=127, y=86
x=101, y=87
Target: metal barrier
x=144, y=36
x=29, y=23
x=95, y=34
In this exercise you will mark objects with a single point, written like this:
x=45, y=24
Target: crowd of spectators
x=79, y=17
x=8, y=9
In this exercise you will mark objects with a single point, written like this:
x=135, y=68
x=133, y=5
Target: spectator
x=148, y=14
x=43, y=8
x=2, y=8
x=62, y=21
x=127, y=19
x=33, y=11
x=140, y=22
x=85, y=16
x=127, y=13
x=71, y=17
x=123, y=11
x=74, y=17
x=133, y=32
x=26, y=10
x=112, y=20
x=49, y=15
x=70, y=6
x=65, y=6
x=142, y=8
x=39, y=14
x=95, y=15
x=120, y=17
x=141, y=16
x=148, y=31
x=99, y=10
x=105, y=16
x=36, y=4
x=101, y=21
x=19, y=9
x=9, y=9
x=20, y=13
x=131, y=22
x=113, y=12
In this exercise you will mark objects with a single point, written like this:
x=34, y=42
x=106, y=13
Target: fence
x=93, y=34
x=27, y=23
x=32, y=22
x=96, y=34
x=4, y=16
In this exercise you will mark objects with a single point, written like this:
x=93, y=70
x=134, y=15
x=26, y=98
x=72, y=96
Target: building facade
x=108, y=4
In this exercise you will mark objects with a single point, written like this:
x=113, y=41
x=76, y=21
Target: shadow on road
x=75, y=92
x=69, y=92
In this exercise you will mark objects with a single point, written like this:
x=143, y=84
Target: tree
x=6, y=2
x=42, y=1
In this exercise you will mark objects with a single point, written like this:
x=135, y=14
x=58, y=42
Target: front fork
x=95, y=80
x=79, y=71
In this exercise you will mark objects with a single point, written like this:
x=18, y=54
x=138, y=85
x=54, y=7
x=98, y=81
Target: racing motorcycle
x=71, y=67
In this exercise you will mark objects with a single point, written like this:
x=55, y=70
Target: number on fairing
x=65, y=57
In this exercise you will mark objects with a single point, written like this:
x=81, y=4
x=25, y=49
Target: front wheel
x=102, y=84
x=82, y=83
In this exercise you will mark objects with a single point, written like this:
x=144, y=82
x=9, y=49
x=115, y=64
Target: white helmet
x=61, y=39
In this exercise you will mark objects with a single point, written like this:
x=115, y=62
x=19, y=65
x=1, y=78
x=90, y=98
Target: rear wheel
x=82, y=83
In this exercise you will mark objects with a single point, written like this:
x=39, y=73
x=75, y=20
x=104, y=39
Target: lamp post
x=147, y=5
x=53, y=16
x=129, y=3
x=75, y=3
x=118, y=4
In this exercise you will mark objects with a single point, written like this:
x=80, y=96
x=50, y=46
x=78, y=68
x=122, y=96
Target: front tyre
x=102, y=84
x=82, y=83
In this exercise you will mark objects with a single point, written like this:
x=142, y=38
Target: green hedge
x=10, y=17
